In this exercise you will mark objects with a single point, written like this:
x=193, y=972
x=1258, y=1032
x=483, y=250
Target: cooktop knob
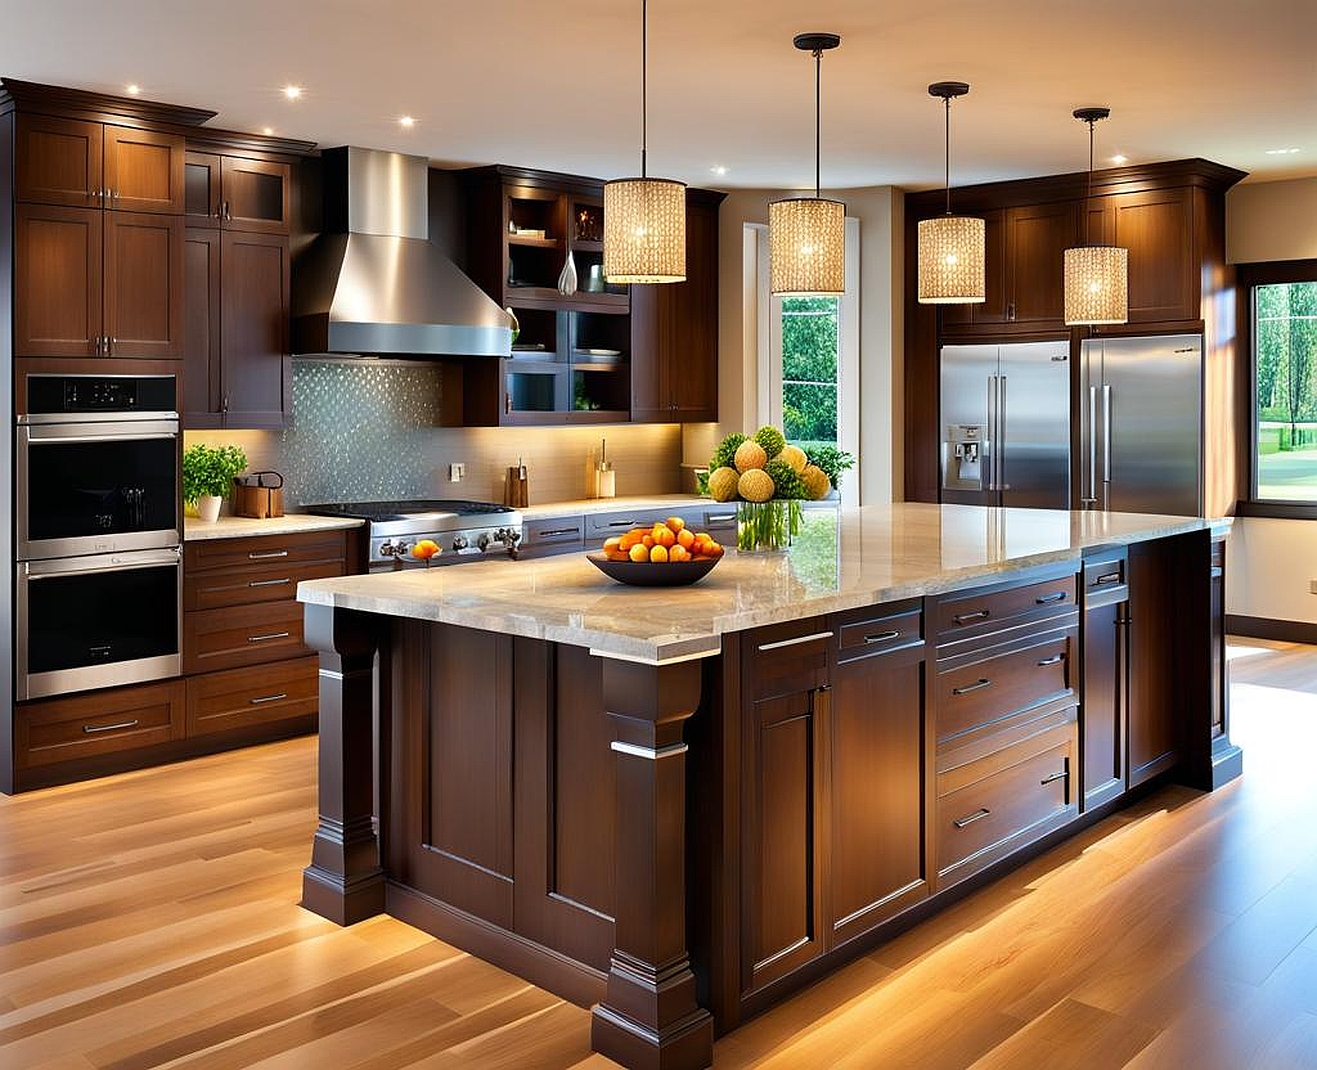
x=460, y=542
x=483, y=541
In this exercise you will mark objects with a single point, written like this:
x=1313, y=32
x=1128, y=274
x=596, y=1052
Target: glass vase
x=763, y=527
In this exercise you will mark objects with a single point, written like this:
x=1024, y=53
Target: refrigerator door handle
x=993, y=444
x=1090, y=499
x=1001, y=433
x=1106, y=439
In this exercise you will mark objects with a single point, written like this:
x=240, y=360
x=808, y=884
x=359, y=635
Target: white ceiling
x=555, y=83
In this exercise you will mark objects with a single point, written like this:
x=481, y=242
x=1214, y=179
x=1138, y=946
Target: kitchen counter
x=588, y=506
x=843, y=560
x=241, y=527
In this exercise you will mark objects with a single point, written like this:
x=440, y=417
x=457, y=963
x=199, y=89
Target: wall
x=368, y=430
x=881, y=214
x=1272, y=561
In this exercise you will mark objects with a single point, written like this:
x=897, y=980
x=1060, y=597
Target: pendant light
x=1096, y=276
x=951, y=247
x=644, y=218
x=807, y=235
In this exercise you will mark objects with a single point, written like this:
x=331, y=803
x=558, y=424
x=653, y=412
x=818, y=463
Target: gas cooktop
x=408, y=510
x=464, y=530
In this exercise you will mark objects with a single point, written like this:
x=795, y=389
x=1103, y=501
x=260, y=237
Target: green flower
x=786, y=479
x=726, y=451
x=771, y=439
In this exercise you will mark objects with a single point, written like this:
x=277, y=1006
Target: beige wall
x=880, y=211
x=1272, y=562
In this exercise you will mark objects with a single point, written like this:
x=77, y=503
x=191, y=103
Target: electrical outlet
x=1312, y=586
x=456, y=472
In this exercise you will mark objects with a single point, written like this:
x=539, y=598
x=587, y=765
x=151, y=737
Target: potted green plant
x=208, y=473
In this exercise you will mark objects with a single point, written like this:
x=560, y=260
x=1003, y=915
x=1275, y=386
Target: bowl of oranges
x=667, y=555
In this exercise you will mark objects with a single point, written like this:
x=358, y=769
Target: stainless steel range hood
x=373, y=284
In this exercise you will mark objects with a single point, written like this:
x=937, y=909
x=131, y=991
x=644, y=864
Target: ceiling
x=555, y=83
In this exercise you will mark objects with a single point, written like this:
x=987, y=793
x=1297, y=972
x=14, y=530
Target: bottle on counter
x=605, y=477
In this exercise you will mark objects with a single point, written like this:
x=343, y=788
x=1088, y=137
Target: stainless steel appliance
x=1006, y=424
x=97, y=465
x=98, y=621
x=465, y=531
x=1141, y=427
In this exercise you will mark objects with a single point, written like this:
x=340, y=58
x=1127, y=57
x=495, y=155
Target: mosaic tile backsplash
x=369, y=430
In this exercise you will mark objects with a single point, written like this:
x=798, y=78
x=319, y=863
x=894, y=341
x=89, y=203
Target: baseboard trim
x=1281, y=631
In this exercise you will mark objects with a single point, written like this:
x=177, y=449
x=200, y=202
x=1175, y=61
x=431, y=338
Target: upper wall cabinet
x=236, y=193
x=1157, y=227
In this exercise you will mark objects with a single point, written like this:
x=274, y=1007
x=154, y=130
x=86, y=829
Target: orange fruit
x=679, y=553
x=614, y=543
x=647, y=541
x=686, y=538
x=658, y=555
x=675, y=523
x=627, y=541
x=714, y=550
x=639, y=552
x=667, y=537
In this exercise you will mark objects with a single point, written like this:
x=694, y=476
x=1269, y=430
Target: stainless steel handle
x=268, y=637
x=1092, y=446
x=968, y=688
x=723, y=518
x=1048, y=599
x=53, y=435
x=91, y=729
x=114, y=194
x=783, y=643
x=262, y=699
x=1062, y=775
x=558, y=531
x=1106, y=432
x=270, y=583
x=266, y=555
x=45, y=570
x=1107, y=577
x=622, y=524
x=965, y=618
x=992, y=433
x=1001, y=434
x=882, y=637
x=969, y=819
x=1055, y=659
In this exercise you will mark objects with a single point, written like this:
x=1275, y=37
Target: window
x=1283, y=309
x=810, y=329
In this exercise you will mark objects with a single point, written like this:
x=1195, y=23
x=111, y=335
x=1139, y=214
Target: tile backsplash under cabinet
x=369, y=430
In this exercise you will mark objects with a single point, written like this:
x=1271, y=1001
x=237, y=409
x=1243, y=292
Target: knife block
x=517, y=491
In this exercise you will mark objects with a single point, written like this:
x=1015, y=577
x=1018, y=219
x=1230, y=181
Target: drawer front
x=275, y=582
x=241, y=635
x=1106, y=581
x=720, y=522
x=977, y=612
x=99, y=722
x=875, y=634
x=553, y=535
x=263, y=550
x=983, y=692
x=1005, y=801
x=605, y=525
x=238, y=698
x=786, y=658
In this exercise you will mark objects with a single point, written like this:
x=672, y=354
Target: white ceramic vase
x=208, y=507
x=567, y=281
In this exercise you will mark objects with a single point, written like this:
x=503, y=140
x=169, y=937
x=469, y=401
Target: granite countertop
x=584, y=506
x=239, y=527
x=843, y=559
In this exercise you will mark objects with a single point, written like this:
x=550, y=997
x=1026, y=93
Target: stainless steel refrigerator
x=1006, y=424
x=1141, y=424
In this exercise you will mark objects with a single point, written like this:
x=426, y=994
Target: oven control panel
x=466, y=545
x=49, y=394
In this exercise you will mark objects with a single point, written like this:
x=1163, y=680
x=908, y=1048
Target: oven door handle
x=127, y=562
x=127, y=434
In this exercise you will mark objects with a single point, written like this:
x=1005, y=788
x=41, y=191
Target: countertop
x=238, y=527
x=843, y=559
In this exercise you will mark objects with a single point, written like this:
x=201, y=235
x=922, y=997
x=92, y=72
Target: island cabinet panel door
x=1104, y=690
x=456, y=748
x=566, y=803
x=1153, y=733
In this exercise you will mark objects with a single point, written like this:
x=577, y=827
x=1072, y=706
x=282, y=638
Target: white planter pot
x=208, y=507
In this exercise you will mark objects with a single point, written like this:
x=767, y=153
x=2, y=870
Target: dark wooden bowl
x=648, y=574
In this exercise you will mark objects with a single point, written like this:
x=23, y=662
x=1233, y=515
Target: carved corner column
x=650, y=1018
x=344, y=881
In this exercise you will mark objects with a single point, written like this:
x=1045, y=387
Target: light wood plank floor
x=150, y=920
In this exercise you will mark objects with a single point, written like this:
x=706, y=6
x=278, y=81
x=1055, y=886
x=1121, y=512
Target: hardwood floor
x=150, y=920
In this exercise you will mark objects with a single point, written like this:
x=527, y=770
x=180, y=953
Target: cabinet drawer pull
x=262, y=699
x=1053, y=660
x=1055, y=776
x=882, y=637
x=979, y=686
x=267, y=638
x=764, y=647
x=1107, y=577
x=555, y=532
x=978, y=614
x=969, y=819
x=721, y=518
x=90, y=729
x=1048, y=599
x=270, y=583
x=622, y=524
x=266, y=555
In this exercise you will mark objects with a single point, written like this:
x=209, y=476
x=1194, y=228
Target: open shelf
x=532, y=243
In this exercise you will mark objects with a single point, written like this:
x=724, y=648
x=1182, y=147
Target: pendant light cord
x=644, y=86
x=947, y=156
x=818, y=124
x=1088, y=199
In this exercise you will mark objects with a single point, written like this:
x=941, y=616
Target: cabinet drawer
x=720, y=522
x=985, y=611
x=264, y=550
x=274, y=582
x=989, y=690
x=553, y=535
x=241, y=635
x=786, y=658
x=872, y=632
x=237, y=698
x=1105, y=581
x=98, y=722
x=996, y=805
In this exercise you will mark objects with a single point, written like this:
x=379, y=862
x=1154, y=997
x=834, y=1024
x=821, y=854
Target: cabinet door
x=201, y=189
x=1153, y=736
x=144, y=170
x=202, y=384
x=254, y=329
x=57, y=281
x=876, y=744
x=255, y=195
x=57, y=161
x=144, y=281
x=691, y=330
x=1102, y=713
x=1157, y=229
x=1037, y=237
x=649, y=394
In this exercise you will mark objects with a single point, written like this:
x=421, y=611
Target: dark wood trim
x=1281, y=631
x=250, y=146
x=97, y=107
x=1277, y=510
x=7, y=385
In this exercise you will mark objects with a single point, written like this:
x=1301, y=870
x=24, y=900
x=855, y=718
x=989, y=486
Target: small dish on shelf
x=650, y=574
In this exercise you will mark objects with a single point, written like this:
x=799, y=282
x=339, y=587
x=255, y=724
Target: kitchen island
x=679, y=805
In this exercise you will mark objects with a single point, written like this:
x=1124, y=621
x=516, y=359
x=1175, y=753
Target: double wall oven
x=99, y=571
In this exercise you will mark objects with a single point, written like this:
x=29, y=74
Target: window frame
x=1249, y=276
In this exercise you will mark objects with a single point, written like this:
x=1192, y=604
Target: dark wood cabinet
x=94, y=724
x=143, y=170
x=203, y=390
x=1157, y=227
x=1154, y=739
x=58, y=281
x=144, y=285
x=1105, y=683
x=201, y=189
x=237, y=193
x=58, y=161
x=1036, y=240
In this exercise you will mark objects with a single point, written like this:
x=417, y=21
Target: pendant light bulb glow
x=1096, y=276
x=951, y=247
x=807, y=235
x=644, y=218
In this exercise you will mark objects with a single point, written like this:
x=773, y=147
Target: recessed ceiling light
x=1119, y=159
x=268, y=131
x=133, y=89
x=406, y=120
x=1281, y=152
x=718, y=169
x=292, y=92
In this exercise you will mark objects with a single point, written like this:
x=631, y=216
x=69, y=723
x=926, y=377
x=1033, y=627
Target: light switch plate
x=1312, y=586
x=456, y=472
